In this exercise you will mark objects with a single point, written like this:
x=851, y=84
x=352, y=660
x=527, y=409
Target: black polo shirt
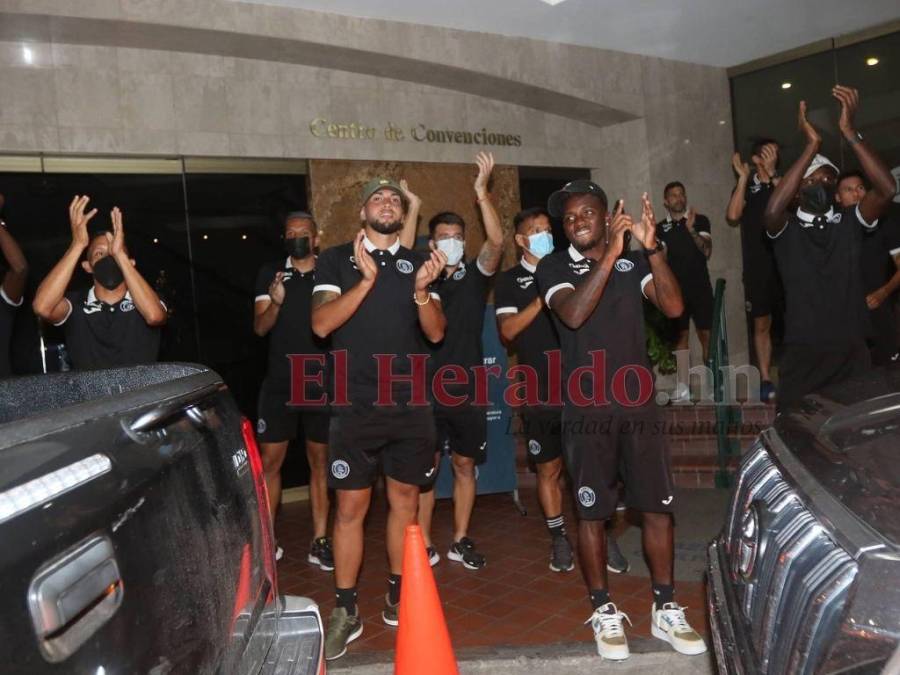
x=684, y=257
x=819, y=262
x=99, y=335
x=756, y=247
x=7, y=317
x=386, y=322
x=616, y=324
x=463, y=297
x=879, y=246
x=292, y=332
x=516, y=289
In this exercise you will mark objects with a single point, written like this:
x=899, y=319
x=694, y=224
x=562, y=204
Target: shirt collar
x=92, y=297
x=527, y=265
x=392, y=249
x=810, y=217
x=670, y=220
x=574, y=254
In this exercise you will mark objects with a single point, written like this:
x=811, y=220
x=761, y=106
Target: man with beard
x=817, y=248
x=12, y=288
x=282, y=311
x=372, y=297
x=880, y=267
x=761, y=288
x=462, y=426
x=116, y=321
x=595, y=290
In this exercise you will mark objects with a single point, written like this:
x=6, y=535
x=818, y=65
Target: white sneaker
x=609, y=632
x=279, y=553
x=670, y=624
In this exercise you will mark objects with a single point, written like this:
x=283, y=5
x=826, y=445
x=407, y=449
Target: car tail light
x=262, y=500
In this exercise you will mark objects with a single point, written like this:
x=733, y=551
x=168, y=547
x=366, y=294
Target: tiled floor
x=515, y=599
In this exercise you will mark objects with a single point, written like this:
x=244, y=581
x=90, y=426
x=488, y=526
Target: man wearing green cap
x=373, y=297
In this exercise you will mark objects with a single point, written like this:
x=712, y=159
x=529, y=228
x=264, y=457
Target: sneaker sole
x=613, y=655
x=390, y=622
x=350, y=638
x=553, y=568
x=663, y=635
x=456, y=557
x=434, y=560
x=313, y=560
x=616, y=570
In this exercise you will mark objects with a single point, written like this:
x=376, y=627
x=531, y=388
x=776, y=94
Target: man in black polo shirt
x=688, y=241
x=282, y=311
x=372, y=297
x=880, y=266
x=761, y=287
x=817, y=248
x=610, y=422
x=461, y=424
x=12, y=288
x=116, y=321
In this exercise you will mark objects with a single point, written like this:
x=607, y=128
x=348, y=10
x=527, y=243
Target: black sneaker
x=391, y=613
x=616, y=562
x=561, y=558
x=464, y=552
x=433, y=556
x=320, y=554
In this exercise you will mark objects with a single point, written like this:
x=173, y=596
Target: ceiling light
x=27, y=55
x=722, y=123
x=155, y=240
x=872, y=61
x=205, y=236
x=785, y=85
x=243, y=236
x=553, y=2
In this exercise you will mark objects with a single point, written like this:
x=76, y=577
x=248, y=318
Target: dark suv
x=805, y=576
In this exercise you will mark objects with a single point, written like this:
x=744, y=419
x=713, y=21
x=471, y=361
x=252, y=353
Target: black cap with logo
x=557, y=201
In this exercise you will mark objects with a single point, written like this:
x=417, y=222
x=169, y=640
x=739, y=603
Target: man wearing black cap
x=12, y=287
x=372, y=297
x=282, y=311
x=461, y=425
x=761, y=287
x=595, y=290
x=817, y=248
x=116, y=321
x=688, y=241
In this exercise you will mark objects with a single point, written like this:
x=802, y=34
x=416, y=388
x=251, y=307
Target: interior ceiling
x=711, y=32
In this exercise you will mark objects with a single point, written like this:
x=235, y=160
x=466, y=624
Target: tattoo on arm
x=320, y=298
x=489, y=257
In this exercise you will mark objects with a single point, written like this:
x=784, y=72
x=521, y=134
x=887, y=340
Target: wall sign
x=321, y=127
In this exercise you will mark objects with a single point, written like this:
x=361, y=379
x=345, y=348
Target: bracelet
x=422, y=304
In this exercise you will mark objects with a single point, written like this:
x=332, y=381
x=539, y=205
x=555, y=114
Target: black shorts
x=462, y=430
x=363, y=442
x=698, y=305
x=541, y=427
x=883, y=340
x=277, y=421
x=761, y=288
x=600, y=447
x=804, y=369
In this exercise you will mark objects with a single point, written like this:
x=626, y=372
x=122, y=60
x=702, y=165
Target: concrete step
x=647, y=656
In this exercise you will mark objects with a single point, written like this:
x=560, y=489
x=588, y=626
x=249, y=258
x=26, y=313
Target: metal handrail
x=727, y=415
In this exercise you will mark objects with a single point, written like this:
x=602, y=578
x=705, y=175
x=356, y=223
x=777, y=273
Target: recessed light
x=27, y=55
x=206, y=236
x=243, y=236
x=872, y=61
x=722, y=123
x=785, y=85
x=553, y=3
x=155, y=240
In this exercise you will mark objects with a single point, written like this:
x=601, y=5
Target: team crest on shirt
x=624, y=265
x=586, y=496
x=404, y=266
x=261, y=426
x=340, y=469
x=534, y=447
x=460, y=273
x=525, y=282
x=126, y=305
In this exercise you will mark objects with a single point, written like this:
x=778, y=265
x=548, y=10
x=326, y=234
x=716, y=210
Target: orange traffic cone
x=423, y=643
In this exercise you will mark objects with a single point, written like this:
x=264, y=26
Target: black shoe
x=320, y=554
x=391, y=613
x=464, y=552
x=615, y=561
x=561, y=558
x=433, y=556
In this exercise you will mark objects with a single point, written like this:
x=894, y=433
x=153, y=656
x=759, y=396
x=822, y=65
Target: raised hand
x=117, y=238
x=690, y=219
x=485, y=162
x=849, y=100
x=411, y=198
x=769, y=156
x=78, y=219
x=276, y=289
x=364, y=262
x=812, y=135
x=621, y=222
x=431, y=268
x=741, y=168
x=645, y=230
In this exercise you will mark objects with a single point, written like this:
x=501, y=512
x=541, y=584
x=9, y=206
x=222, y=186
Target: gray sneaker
x=561, y=558
x=343, y=628
x=391, y=613
x=615, y=561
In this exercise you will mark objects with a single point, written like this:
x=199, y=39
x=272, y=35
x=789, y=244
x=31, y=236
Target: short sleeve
x=551, y=277
x=702, y=226
x=890, y=229
x=263, y=279
x=855, y=212
x=72, y=297
x=328, y=276
x=642, y=267
x=504, y=295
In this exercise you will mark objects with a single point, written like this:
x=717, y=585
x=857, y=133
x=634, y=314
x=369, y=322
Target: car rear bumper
x=728, y=643
x=298, y=648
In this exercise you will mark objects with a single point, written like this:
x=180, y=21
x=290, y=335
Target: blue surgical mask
x=540, y=244
x=453, y=249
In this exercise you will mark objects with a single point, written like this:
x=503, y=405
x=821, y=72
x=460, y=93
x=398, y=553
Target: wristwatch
x=656, y=249
x=856, y=138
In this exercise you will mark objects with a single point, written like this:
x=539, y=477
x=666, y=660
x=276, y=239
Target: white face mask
x=453, y=249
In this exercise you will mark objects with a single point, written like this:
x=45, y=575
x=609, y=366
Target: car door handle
x=72, y=596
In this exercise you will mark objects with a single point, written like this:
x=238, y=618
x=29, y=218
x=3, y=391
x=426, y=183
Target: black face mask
x=817, y=198
x=107, y=273
x=298, y=247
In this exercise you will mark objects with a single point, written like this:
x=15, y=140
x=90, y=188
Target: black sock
x=662, y=594
x=346, y=598
x=557, y=526
x=599, y=597
x=394, y=589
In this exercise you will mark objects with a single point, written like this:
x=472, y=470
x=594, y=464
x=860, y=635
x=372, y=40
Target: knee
x=549, y=471
x=272, y=459
x=463, y=467
x=350, y=510
x=405, y=500
x=316, y=455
